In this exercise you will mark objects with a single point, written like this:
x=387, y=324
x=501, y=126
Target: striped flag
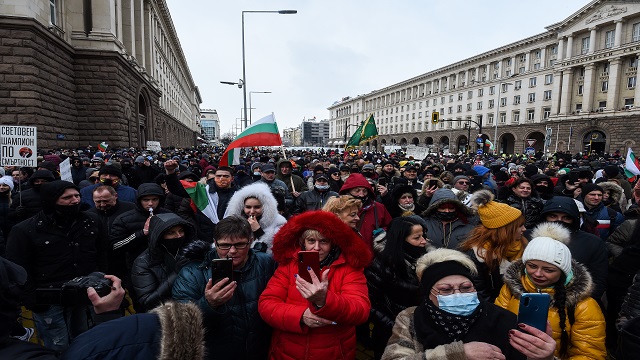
x=631, y=165
x=103, y=146
x=201, y=199
x=263, y=132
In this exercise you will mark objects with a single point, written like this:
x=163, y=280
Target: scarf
x=455, y=327
x=331, y=257
x=514, y=252
x=407, y=208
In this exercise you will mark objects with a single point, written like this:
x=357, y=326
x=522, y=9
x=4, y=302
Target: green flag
x=369, y=130
x=355, y=138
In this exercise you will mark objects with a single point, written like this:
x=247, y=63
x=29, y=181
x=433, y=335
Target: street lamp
x=255, y=92
x=240, y=83
x=244, y=73
x=497, y=105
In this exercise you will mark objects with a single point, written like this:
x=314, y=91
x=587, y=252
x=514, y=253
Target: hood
x=562, y=204
x=354, y=181
x=614, y=189
x=182, y=331
x=260, y=191
x=51, y=191
x=160, y=223
x=539, y=177
x=443, y=196
x=41, y=174
x=579, y=288
x=150, y=189
x=286, y=242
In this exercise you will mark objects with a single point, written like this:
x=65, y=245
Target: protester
x=448, y=221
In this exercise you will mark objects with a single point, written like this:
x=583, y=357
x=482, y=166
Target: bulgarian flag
x=201, y=199
x=263, y=132
x=103, y=146
x=632, y=165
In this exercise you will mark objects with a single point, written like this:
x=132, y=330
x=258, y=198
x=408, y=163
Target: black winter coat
x=106, y=219
x=312, y=200
x=30, y=204
x=531, y=208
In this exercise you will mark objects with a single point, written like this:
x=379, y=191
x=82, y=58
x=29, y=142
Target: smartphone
x=534, y=310
x=573, y=177
x=220, y=269
x=308, y=259
x=382, y=182
x=433, y=183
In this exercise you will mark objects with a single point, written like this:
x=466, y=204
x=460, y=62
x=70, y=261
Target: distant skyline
x=331, y=49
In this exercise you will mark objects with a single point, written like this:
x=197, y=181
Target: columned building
x=84, y=72
x=575, y=82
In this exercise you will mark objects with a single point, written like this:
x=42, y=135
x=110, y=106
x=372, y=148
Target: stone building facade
x=87, y=72
x=576, y=82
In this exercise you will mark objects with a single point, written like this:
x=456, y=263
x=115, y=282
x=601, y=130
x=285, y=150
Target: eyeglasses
x=238, y=246
x=446, y=289
x=463, y=182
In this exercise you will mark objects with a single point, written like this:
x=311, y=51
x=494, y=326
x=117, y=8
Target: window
x=459, y=108
x=554, y=50
x=585, y=44
x=508, y=73
x=459, y=96
x=536, y=66
x=442, y=100
x=636, y=32
x=580, y=89
x=531, y=114
x=450, y=98
x=504, y=87
x=468, y=107
x=605, y=86
x=533, y=81
x=503, y=101
x=547, y=95
x=54, y=12
x=420, y=115
x=503, y=118
x=516, y=116
x=491, y=104
x=631, y=82
x=516, y=100
x=552, y=62
x=537, y=54
x=546, y=112
x=492, y=90
x=450, y=110
x=469, y=94
x=628, y=103
x=578, y=107
x=480, y=92
x=435, y=102
x=609, y=38
x=521, y=70
x=518, y=85
x=633, y=62
x=602, y=105
x=479, y=105
x=531, y=97
x=508, y=62
x=420, y=105
x=490, y=119
x=605, y=69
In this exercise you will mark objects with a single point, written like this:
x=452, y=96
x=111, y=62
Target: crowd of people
x=414, y=258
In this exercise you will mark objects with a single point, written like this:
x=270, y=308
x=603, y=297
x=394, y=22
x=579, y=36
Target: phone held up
x=308, y=259
x=534, y=310
x=220, y=269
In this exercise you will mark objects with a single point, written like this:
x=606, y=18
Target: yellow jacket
x=586, y=335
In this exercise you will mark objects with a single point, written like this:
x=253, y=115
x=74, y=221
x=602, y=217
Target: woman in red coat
x=316, y=320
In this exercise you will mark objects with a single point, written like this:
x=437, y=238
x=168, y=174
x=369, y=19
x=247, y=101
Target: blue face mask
x=462, y=304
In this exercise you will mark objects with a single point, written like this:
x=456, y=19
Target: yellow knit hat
x=492, y=213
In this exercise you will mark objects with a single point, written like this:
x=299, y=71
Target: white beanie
x=548, y=245
x=7, y=180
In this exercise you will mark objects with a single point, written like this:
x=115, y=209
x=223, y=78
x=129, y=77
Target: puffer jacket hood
x=287, y=241
x=150, y=189
x=354, y=181
x=446, y=196
x=159, y=224
x=564, y=205
x=614, y=189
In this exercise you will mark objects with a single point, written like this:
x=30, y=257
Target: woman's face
x=523, y=190
x=542, y=274
x=447, y=284
x=416, y=237
x=252, y=207
x=4, y=187
x=319, y=244
x=406, y=199
x=350, y=216
x=605, y=195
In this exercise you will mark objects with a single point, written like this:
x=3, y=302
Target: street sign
x=18, y=146
x=479, y=140
x=479, y=152
x=530, y=151
x=531, y=142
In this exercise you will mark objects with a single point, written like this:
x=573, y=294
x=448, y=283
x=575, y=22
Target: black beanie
x=589, y=187
x=435, y=272
x=611, y=171
x=51, y=191
x=111, y=170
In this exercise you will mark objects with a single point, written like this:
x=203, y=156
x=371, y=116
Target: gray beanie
x=139, y=159
x=460, y=177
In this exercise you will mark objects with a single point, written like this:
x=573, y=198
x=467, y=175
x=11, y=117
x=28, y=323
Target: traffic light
x=435, y=117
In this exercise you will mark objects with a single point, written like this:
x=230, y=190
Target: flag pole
x=569, y=142
x=557, y=137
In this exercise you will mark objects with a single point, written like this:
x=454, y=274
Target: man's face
x=69, y=197
x=593, y=198
x=269, y=175
x=411, y=174
x=109, y=179
x=387, y=168
x=285, y=169
x=239, y=256
x=462, y=184
x=223, y=179
x=559, y=216
x=104, y=200
x=150, y=202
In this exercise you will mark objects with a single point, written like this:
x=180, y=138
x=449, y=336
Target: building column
x=138, y=6
x=560, y=56
x=636, y=95
x=589, y=87
x=128, y=26
x=592, y=40
x=614, y=83
x=527, y=61
x=565, y=97
x=618, y=35
x=103, y=16
x=569, y=46
x=555, y=93
x=543, y=58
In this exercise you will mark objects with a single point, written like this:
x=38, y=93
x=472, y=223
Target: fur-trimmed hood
x=614, y=189
x=579, y=288
x=287, y=241
x=182, y=331
x=260, y=191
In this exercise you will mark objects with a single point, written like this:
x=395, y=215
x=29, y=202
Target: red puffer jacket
x=347, y=303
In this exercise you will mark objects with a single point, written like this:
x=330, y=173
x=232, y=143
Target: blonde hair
x=338, y=204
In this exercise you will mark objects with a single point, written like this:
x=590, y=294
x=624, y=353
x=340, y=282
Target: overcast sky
x=336, y=48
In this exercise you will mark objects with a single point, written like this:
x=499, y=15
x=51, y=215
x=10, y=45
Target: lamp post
x=255, y=92
x=497, y=105
x=244, y=72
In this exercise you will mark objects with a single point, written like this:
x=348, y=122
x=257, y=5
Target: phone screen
x=308, y=259
x=220, y=269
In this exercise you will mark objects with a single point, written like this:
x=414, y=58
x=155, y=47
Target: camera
x=74, y=291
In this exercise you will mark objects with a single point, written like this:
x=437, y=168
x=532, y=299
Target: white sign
x=18, y=146
x=531, y=142
x=154, y=146
x=418, y=152
x=65, y=170
x=388, y=149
